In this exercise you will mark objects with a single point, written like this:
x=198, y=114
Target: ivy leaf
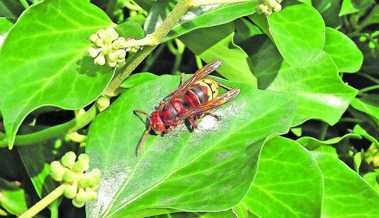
x=313, y=143
x=288, y=182
x=347, y=7
x=12, y=197
x=176, y=169
x=367, y=105
x=5, y=25
x=222, y=14
x=343, y=51
x=298, y=32
x=197, y=17
x=372, y=18
x=345, y=193
x=137, y=79
x=317, y=88
x=49, y=65
x=220, y=46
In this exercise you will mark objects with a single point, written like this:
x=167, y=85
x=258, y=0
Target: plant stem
x=323, y=131
x=24, y=3
x=153, y=39
x=71, y=126
x=369, y=77
x=368, y=89
x=212, y=2
x=44, y=202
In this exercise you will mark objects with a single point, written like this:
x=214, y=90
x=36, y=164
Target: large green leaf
x=343, y=51
x=49, y=65
x=288, y=182
x=5, y=25
x=345, y=193
x=367, y=105
x=292, y=182
x=317, y=88
x=298, y=32
x=188, y=171
x=219, y=45
x=222, y=14
x=197, y=17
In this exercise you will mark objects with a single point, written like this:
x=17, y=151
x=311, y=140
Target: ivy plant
x=299, y=140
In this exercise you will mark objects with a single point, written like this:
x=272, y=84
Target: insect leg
x=139, y=148
x=217, y=117
x=181, y=79
x=139, y=112
x=225, y=86
x=192, y=123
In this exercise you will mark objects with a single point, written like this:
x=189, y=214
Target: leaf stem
x=71, y=126
x=24, y=3
x=44, y=202
x=368, y=89
x=152, y=40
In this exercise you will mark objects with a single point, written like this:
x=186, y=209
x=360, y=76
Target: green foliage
x=310, y=67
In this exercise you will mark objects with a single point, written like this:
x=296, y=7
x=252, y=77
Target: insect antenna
x=139, y=148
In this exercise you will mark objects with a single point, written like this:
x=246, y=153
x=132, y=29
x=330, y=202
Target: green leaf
x=288, y=182
x=157, y=13
x=266, y=61
x=368, y=106
x=362, y=132
x=188, y=171
x=219, y=45
x=298, y=32
x=345, y=193
x=52, y=59
x=197, y=17
x=5, y=25
x=137, y=79
x=313, y=143
x=347, y=7
x=12, y=198
x=372, y=18
x=317, y=88
x=343, y=51
x=130, y=29
x=10, y=8
x=209, y=16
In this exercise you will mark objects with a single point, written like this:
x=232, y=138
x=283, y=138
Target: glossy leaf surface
x=59, y=73
x=175, y=169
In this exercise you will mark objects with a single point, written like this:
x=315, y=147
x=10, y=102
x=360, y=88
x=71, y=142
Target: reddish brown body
x=189, y=102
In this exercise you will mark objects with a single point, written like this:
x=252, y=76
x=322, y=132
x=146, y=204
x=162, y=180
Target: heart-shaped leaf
x=49, y=65
x=317, y=88
x=288, y=182
x=345, y=193
x=298, y=32
x=343, y=50
x=220, y=45
x=190, y=171
x=292, y=182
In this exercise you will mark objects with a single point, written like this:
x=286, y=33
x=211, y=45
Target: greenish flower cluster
x=109, y=47
x=81, y=186
x=268, y=6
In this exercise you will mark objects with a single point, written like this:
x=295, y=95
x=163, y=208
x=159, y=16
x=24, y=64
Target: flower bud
x=68, y=160
x=57, y=170
x=77, y=203
x=81, y=196
x=81, y=164
x=93, y=52
x=102, y=103
x=100, y=60
x=91, y=194
x=85, y=181
x=69, y=176
x=71, y=190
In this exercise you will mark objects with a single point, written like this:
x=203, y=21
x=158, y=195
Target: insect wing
x=200, y=74
x=227, y=96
